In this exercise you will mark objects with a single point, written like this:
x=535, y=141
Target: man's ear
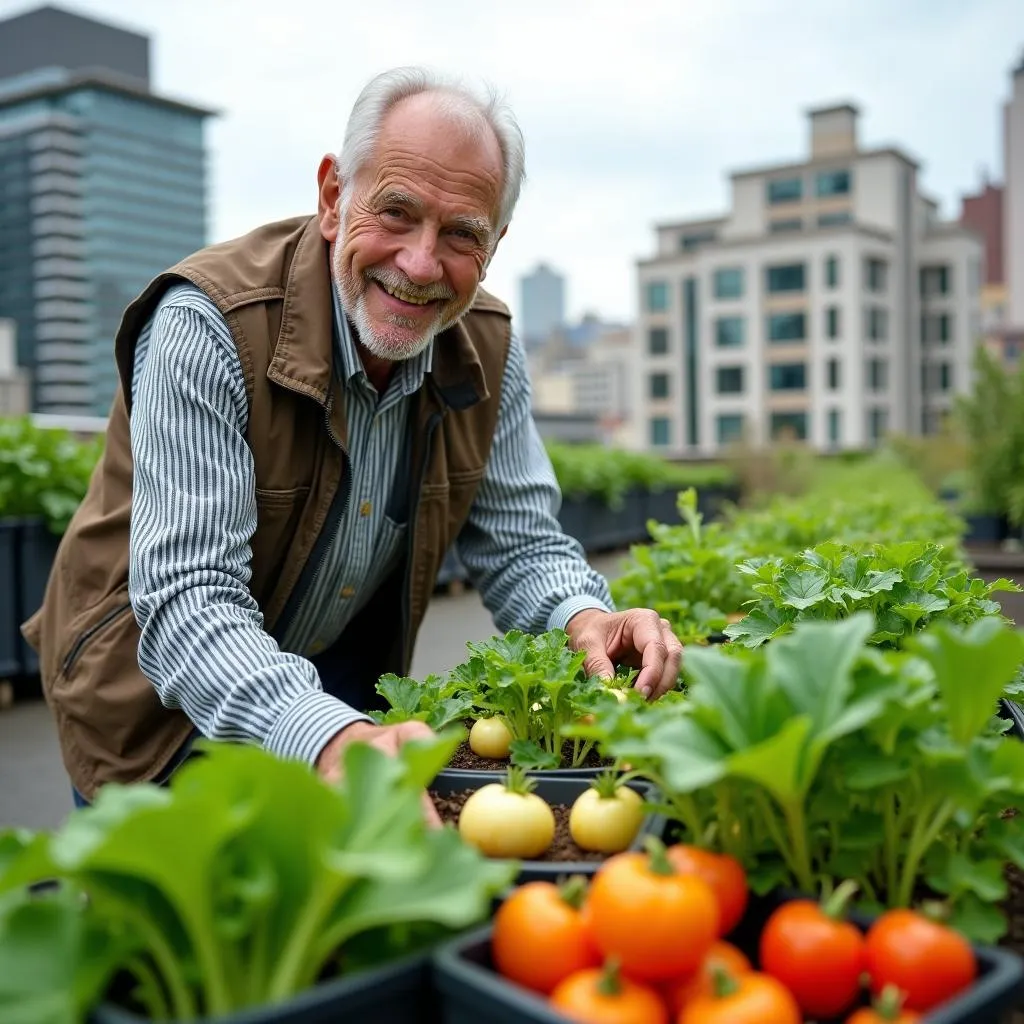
x=329, y=193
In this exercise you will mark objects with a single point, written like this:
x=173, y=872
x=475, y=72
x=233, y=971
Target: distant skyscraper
x=1013, y=231
x=542, y=302
x=103, y=185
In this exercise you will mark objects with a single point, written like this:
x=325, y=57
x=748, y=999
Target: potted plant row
x=44, y=474
x=248, y=891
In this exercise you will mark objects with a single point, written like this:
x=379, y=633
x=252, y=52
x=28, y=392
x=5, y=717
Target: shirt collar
x=410, y=371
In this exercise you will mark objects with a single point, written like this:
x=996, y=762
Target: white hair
x=468, y=107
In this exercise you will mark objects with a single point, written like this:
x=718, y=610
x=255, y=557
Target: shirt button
x=365, y=509
x=347, y=591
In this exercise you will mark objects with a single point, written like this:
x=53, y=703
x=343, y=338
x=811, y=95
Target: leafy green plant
x=535, y=684
x=687, y=574
x=43, y=472
x=240, y=885
x=821, y=757
x=905, y=586
x=590, y=470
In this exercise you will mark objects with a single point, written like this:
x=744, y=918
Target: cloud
x=634, y=110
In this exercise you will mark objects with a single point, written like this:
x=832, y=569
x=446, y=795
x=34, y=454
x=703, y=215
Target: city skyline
x=628, y=122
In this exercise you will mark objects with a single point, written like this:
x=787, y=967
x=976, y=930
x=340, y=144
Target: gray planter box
x=38, y=549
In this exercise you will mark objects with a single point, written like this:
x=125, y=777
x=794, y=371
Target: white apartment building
x=829, y=305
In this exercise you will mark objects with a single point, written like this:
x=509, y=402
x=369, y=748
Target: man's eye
x=466, y=235
x=393, y=211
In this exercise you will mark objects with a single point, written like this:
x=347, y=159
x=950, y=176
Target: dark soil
x=562, y=849
x=465, y=758
x=1014, y=907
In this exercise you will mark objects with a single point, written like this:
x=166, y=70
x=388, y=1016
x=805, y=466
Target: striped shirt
x=202, y=641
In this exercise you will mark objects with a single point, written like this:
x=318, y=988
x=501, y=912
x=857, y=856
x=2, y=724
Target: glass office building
x=102, y=186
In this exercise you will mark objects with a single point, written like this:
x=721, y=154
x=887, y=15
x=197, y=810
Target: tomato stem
x=723, y=983
x=889, y=1004
x=573, y=891
x=659, y=862
x=610, y=982
x=606, y=784
x=835, y=905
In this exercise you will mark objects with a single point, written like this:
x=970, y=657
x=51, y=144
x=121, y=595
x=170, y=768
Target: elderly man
x=307, y=418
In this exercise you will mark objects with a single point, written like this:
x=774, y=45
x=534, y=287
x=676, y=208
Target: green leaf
x=814, y=667
x=954, y=873
x=977, y=920
x=777, y=763
x=402, y=693
x=802, y=588
x=972, y=667
x=532, y=756
x=762, y=623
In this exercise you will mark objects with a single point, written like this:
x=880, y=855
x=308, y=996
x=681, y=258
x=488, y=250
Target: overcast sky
x=634, y=111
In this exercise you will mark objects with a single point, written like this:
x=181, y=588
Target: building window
x=787, y=326
x=730, y=428
x=729, y=331
x=788, y=277
x=787, y=377
x=661, y=431
x=688, y=243
x=878, y=375
x=789, y=224
x=728, y=283
x=835, y=426
x=936, y=281
x=877, y=325
x=656, y=296
x=658, y=385
x=729, y=380
x=876, y=273
x=945, y=377
x=788, y=426
x=833, y=375
x=936, y=328
x=832, y=183
x=657, y=341
x=832, y=322
x=834, y=220
x=878, y=423
x=785, y=190
x=832, y=272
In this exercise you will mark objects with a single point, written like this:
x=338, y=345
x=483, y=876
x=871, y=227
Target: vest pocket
x=109, y=612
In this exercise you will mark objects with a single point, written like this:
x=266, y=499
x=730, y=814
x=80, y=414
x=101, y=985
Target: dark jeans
x=347, y=671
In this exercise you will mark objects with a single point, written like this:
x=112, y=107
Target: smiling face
x=414, y=231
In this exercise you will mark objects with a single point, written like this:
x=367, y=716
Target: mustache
x=397, y=281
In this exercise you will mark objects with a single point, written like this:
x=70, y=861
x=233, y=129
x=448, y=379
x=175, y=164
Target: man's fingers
x=648, y=639
x=673, y=661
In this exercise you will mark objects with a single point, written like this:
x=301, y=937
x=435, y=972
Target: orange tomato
x=539, y=936
x=723, y=873
x=656, y=923
x=926, y=961
x=887, y=1009
x=596, y=996
x=746, y=999
x=679, y=993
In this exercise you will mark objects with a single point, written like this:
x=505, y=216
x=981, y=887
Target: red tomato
x=594, y=996
x=819, y=958
x=723, y=873
x=748, y=999
x=539, y=936
x=678, y=994
x=656, y=923
x=927, y=961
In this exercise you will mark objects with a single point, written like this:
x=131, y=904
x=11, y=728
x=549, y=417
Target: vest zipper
x=72, y=656
x=335, y=514
x=421, y=472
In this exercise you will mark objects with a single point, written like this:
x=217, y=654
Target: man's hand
x=384, y=737
x=637, y=637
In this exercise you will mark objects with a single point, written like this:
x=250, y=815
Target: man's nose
x=418, y=258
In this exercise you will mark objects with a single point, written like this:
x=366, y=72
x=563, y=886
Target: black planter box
x=986, y=528
x=555, y=791
x=398, y=993
x=661, y=506
x=10, y=637
x=599, y=527
x=470, y=990
x=38, y=550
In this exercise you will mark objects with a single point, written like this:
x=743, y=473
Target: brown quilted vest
x=273, y=288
